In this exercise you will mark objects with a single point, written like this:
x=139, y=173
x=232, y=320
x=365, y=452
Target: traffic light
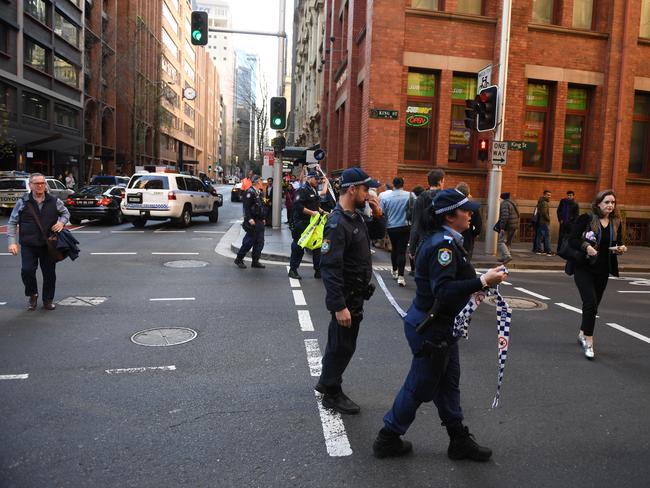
x=487, y=101
x=470, y=114
x=483, y=148
x=199, y=32
x=278, y=113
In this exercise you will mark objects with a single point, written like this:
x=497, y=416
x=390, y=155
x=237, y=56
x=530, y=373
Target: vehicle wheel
x=186, y=216
x=139, y=222
x=214, y=215
x=118, y=219
x=75, y=221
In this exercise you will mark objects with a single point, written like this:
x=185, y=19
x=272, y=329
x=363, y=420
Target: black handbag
x=497, y=227
x=570, y=254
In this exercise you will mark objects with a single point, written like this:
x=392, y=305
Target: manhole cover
x=519, y=303
x=186, y=263
x=163, y=336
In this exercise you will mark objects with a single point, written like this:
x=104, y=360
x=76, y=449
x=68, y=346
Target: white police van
x=162, y=196
x=14, y=184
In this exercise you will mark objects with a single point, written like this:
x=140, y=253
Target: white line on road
x=634, y=291
x=629, y=332
x=5, y=254
x=314, y=357
x=532, y=293
x=127, y=232
x=14, y=376
x=569, y=307
x=506, y=283
x=210, y=231
x=141, y=370
x=304, y=318
x=171, y=299
x=113, y=253
x=85, y=231
x=175, y=253
x=299, y=297
x=388, y=294
x=294, y=283
x=3, y=303
x=160, y=231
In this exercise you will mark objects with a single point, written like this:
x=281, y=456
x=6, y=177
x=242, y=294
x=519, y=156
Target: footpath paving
x=277, y=247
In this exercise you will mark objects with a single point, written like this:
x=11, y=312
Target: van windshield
x=149, y=182
x=13, y=185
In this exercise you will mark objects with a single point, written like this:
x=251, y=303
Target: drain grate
x=186, y=263
x=519, y=303
x=163, y=336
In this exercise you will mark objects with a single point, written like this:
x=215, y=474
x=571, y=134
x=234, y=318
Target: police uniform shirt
x=253, y=207
x=443, y=271
x=306, y=197
x=346, y=262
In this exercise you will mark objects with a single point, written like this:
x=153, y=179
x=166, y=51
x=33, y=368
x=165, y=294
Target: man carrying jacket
x=508, y=225
x=36, y=210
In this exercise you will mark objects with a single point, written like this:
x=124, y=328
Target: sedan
x=96, y=202
x=236, y=193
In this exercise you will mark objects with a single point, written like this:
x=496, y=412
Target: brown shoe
x=49, y=305
x=33, y=300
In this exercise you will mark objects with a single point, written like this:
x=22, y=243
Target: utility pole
x=277, y=167
x=496, y=174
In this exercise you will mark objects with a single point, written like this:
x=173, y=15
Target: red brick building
x=578, y=87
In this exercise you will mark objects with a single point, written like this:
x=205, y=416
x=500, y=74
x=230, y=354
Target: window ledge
x=567, y=30
x=639, y=180
x=558, y=176
x=451, y=16
x=426, y=166
x=644, y=41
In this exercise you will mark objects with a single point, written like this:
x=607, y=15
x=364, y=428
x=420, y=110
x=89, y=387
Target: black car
x=96, y=202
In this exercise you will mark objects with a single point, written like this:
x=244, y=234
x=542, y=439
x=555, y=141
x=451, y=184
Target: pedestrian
x=445, y=281
x=508, y=225
x=542, y=233
x=289, y=195
x=394, y=207
x=421, y=215
x=268, y=201
x=35, y=215
x=598, y=233
x=247, y=182
x=475, y=224
x=568, y=211
x=415, y=193
x=346, y=265
x=305, y=205
x=254, y=221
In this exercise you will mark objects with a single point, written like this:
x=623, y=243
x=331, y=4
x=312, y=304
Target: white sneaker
x=401, y=281
x=581, y=339
x=394, y=274
x=589, y=351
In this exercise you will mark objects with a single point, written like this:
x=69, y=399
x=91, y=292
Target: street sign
x=381, y=113
x=499, y=152
x=484, y=78
x=522, y=146
x=269, y=156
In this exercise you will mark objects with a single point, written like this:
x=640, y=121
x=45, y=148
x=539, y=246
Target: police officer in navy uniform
x=445, y=281
x=346, y=267
x=306, y=204
x=254, y=220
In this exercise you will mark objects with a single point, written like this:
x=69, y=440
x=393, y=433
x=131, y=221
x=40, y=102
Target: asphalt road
x=235, y=407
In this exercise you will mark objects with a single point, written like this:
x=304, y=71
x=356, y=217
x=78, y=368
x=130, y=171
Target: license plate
x=86, y=202
x=137, y=198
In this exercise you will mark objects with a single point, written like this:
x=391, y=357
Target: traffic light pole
x=278, y=165
x=496, y=174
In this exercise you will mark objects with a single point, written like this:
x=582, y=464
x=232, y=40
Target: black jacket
x=307, y=197
x=68, y=245
x=254, y=208
x=577, y=242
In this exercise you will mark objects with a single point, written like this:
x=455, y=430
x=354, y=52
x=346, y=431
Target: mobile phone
x=613, y=248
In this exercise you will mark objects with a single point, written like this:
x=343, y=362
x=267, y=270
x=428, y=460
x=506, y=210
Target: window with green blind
x=461, y=142
x=420, y=104
x=538, y=97
x=582, y=14
x=574, y=128
x=470, y=7
x=425, y=4
x=644, y=30
x=639, y=163
x=543, y=11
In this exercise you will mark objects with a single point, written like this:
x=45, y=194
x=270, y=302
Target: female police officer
x=445, y=280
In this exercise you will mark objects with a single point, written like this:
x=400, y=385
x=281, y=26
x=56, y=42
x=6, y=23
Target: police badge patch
x=444, y=256
x=325, y=247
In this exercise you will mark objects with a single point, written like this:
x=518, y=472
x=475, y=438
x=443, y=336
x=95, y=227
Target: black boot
x=240, y=263
x=257, y=264
x=317, y=274
x=294, y=274
x=389, y=444
x=463, y=446
x=341, y=403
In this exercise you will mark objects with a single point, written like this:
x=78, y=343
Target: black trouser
x=254, y=239
x=399, y=240
x=563, y=233
x=30, y=257
x=591, y=287
x=341, y=344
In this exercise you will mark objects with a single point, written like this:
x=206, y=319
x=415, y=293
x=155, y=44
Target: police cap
x=357, y=176
x=448, y=200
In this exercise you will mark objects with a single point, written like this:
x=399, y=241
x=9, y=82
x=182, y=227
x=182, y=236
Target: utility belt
x=362, y=290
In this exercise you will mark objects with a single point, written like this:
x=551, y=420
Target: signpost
x=269, y=156
x=499, y=152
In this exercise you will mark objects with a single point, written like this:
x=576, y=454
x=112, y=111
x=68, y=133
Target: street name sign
x=381, y=113
x=499, y=152
x=522, y=146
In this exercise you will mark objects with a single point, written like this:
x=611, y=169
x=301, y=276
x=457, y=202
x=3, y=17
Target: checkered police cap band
x=452, y=207
x=354, y=183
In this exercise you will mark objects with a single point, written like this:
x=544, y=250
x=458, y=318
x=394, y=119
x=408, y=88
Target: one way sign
x=499, y=152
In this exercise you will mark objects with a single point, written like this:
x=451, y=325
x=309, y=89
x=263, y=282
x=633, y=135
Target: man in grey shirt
x=36, y=213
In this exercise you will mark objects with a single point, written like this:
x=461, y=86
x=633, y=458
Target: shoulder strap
x=30, y=205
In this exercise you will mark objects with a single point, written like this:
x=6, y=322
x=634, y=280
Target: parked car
x=161, y=196
x=14, y=184
x=233, y=180
x=235, y=194
x=96, y=202
x=58, y=189
x=109, y=180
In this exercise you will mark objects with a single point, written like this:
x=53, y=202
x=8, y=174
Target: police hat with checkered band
x=357, y=176
x=449, y=200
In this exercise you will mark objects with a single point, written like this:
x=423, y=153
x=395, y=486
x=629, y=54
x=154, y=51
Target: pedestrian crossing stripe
x=82, y=301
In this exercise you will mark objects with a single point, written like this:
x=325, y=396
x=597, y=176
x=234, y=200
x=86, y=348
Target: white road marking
x=299, y=297
x=113, y=253
x=82, y=301
x=294, y=283
x=569, y=307
x=506, y=283
x=304, y=318
x=127, y=232
x=314, y=358
x=210, y=231
x=630, y=332
x=176, y=253
x=14, y=376
x=85, y=231
x=634, y=291
x=141, y=370
x=388, y=294
x=171, y=299
x=3, y=303
x=5, y=254
x=161, y=231
x=532, y=293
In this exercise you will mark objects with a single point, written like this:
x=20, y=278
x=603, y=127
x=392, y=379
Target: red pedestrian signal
x=483, y=148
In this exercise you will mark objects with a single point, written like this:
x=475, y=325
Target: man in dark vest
x=36, y=207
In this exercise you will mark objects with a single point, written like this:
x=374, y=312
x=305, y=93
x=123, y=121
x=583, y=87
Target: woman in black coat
x=597, y=234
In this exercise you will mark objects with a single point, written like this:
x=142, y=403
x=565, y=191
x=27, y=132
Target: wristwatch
x=484, y=283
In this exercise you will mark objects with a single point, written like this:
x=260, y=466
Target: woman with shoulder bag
x=598, y=234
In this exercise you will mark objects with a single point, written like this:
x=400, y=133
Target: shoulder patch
x=248, y=194
x=448, y=238
x=444, y=256
x=325, y=247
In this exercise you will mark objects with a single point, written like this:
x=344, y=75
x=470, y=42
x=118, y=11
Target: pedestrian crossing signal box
x=199, y=25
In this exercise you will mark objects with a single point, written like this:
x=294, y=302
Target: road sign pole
x=496, y=174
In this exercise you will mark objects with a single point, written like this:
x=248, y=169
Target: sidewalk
x=277, y=247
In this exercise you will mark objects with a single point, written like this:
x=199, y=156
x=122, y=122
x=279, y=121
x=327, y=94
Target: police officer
x=254, y=220
x=306, y=204
x=445, y=281
x=346, y=265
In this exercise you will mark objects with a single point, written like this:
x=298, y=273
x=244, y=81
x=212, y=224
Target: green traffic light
x=196, y=35
x=277, y=121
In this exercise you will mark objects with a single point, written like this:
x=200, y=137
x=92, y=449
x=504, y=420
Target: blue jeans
x=424, y=382
x=30, y=258
x=542, y=236
x=298, y=252
x=253, y=240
